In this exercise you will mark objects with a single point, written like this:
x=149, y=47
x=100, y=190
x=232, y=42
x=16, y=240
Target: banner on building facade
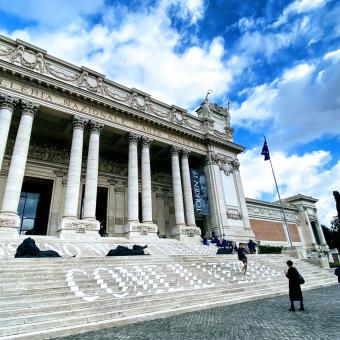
x=199, y=191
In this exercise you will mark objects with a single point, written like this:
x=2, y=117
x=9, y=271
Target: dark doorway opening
x=201, y=224
x=34, y=205
x=140, y=207
x=101, y=210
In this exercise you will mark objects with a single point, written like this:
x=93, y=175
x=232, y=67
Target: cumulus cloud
x=298, y=7
x=303, y=104
x=140, y=52
x=303, y=174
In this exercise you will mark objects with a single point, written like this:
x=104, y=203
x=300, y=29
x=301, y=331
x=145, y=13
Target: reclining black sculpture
x=125, y=251
x=28, y=248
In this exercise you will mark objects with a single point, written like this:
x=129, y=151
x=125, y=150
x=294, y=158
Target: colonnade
x=184, y=211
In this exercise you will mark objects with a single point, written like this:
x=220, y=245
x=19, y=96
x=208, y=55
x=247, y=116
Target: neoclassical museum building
x=82, y=156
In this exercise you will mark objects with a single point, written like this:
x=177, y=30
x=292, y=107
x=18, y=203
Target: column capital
x=175, y=150
x=29, y=108
x=60, y=172
x=79, y=122
x=133, y=138
x=95, y=126
x=8, y=102
x=235, y=164
x=185, y=153
x=146, y=141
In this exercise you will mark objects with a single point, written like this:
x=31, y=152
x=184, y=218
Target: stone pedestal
x=141, y=232
x=74, y=228
x=189, y=234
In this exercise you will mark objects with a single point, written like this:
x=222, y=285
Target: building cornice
x=34, y=64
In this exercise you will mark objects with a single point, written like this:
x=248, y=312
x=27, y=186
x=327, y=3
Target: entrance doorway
x=34, y=205
x=200, y=222
x=101, y=210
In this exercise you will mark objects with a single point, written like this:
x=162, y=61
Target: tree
x=335, y=231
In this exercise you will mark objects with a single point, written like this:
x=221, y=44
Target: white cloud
x=140, y=51
x=302, y=105
x=333, y=54
x=298, y=72
x=298, y=7
x=304, y=174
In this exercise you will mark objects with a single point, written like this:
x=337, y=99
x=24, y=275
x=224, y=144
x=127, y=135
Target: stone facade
x=302, y=220
x=98, y=156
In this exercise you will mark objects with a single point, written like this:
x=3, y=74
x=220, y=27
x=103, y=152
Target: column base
x=190, y=234
x=141, y=231
x=9, y=225
x=72, y=227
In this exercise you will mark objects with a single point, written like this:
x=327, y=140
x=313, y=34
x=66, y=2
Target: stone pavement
x=262, y=319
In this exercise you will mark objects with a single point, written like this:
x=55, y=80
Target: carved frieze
x=226, y=164
x=234, y=214
x=270, y=213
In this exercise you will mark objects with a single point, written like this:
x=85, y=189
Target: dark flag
x=265, y=151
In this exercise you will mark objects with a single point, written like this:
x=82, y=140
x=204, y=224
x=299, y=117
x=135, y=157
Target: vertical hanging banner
x=199, y=191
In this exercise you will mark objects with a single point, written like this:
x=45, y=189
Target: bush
x=270, y=250
x=334, y=265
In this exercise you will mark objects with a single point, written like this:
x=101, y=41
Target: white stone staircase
x=49, y=297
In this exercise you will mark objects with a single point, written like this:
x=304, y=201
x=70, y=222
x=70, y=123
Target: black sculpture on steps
x=28, y=248
x=125, y=251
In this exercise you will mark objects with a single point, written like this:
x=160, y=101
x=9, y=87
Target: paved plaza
x=262, y=319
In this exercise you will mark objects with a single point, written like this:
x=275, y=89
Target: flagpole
x=278, y=193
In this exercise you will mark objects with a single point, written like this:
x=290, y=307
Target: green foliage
x=270, y=250
x=332, y=235
x=334, y=265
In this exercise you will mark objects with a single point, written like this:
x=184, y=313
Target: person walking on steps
x=295, y=282
x=241, y=252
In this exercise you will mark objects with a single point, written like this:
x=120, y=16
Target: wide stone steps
x=54, y=319
x=59, y=305
x=45, y=297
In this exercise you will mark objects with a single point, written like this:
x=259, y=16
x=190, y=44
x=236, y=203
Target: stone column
x=9, y=215
x=188, y=202
x=133, y=215
x=177, y=187
x=146, y=181
x=56, y=203
x=74, y=170
x=7, y=104
x=90, y=196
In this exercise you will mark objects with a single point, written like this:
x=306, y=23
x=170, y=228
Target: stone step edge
x=128, y=308
x=220, y=289
x=66, y=290
x=14, y=290
x=78, y=329
x=136, y=299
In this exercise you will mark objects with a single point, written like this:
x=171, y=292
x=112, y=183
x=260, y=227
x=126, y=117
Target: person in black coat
x=295, y=293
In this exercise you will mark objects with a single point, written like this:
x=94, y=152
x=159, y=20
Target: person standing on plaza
x=241, y=252
x=295, y=281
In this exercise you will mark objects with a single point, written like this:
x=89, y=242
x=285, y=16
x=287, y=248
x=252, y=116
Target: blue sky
x=277, y=62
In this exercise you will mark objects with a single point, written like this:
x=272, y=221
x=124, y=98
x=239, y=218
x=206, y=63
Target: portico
x=106, y=158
